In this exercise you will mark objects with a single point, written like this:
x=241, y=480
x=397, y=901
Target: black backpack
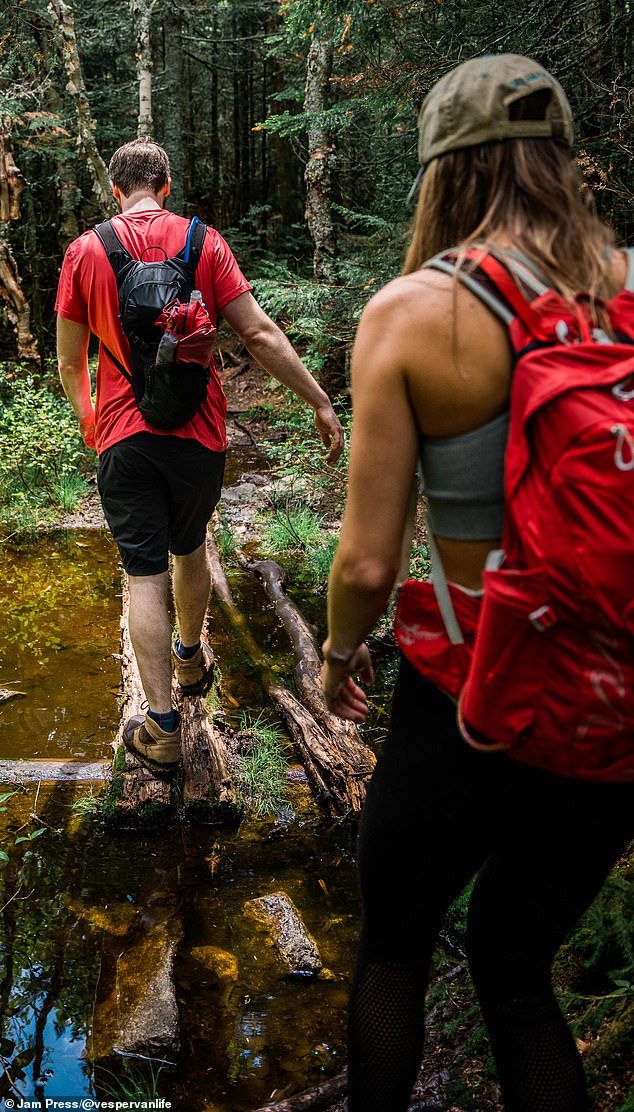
x=167, y=394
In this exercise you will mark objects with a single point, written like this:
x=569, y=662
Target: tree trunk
x=208, y=792
x=173, y=105
x=16, y=307
x=319, y=1099
x=319, y=188
x=321, y=158
x=142, y=16
x=64, y=33
x=214, y=154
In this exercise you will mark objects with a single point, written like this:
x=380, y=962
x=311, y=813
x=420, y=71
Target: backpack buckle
x=543, y=618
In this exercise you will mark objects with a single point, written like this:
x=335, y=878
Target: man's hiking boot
x=194, y=676
x=155, y=747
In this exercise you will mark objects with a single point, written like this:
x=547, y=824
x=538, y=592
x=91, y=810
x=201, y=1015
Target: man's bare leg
x=151, y=635
x=191, y=585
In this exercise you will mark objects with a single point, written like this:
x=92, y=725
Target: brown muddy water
x=75, y=897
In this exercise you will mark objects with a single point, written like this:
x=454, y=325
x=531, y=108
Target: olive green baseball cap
x=474, y=103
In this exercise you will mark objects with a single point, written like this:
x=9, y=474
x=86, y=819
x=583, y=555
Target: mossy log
x=336, y=760
x=208, y=792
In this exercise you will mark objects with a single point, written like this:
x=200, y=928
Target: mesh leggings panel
x=538, y=1065
x=386, y=1035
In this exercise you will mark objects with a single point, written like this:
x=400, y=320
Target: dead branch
x=313, y=1100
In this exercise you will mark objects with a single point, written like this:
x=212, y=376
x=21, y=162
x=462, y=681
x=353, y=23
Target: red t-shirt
x=87, y=293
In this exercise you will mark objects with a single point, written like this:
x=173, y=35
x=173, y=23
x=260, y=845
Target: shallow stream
x=76, y=897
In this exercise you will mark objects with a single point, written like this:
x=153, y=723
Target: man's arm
x=72, y=361
x=273, y=351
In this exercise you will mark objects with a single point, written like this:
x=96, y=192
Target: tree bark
x=63, y=20
x=16, y=306
x=208, y=792
x=319, y=1099
x=173, y=105
x=142, y=16
x=321, y=158
x=336, y=758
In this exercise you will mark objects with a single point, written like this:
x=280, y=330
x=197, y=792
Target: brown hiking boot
x=152, y=745
x=194, y=676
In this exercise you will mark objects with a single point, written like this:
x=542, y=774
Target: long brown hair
x=523, y=193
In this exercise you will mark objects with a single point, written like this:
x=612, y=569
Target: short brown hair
x=140, y=164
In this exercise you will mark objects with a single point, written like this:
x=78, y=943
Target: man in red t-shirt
x=159, y=489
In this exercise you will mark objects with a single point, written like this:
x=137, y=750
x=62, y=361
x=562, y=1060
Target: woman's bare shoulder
x=426, y=290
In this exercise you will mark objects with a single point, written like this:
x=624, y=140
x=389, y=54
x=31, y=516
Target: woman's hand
x=343, y=696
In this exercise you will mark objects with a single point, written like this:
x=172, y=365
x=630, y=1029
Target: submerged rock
x=220, y=966
x=279, y=919
x=136, y=1013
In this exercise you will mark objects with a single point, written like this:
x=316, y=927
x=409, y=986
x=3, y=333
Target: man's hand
x=329, y=428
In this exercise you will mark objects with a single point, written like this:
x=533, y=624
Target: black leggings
x=437, y=813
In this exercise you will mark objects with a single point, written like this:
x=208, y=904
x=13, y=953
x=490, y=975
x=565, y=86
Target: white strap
x=441, y=591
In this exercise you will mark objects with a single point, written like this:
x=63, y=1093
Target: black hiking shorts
x=158, y=493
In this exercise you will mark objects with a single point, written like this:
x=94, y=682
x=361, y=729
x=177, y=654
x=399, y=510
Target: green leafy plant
x=43, y=461
x=291, y=528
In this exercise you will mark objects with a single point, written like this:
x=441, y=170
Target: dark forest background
x=290, y=126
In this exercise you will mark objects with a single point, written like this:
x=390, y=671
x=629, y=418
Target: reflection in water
x=59, y=636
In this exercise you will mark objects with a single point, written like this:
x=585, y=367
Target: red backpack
x=547, y=672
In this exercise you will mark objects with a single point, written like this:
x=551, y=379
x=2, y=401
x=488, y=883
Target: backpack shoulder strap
x=118, y=255
x=501, y=293
x=118, y=364
x=448, y=264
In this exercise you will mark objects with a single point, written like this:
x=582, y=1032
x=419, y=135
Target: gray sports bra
x=463, y=478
